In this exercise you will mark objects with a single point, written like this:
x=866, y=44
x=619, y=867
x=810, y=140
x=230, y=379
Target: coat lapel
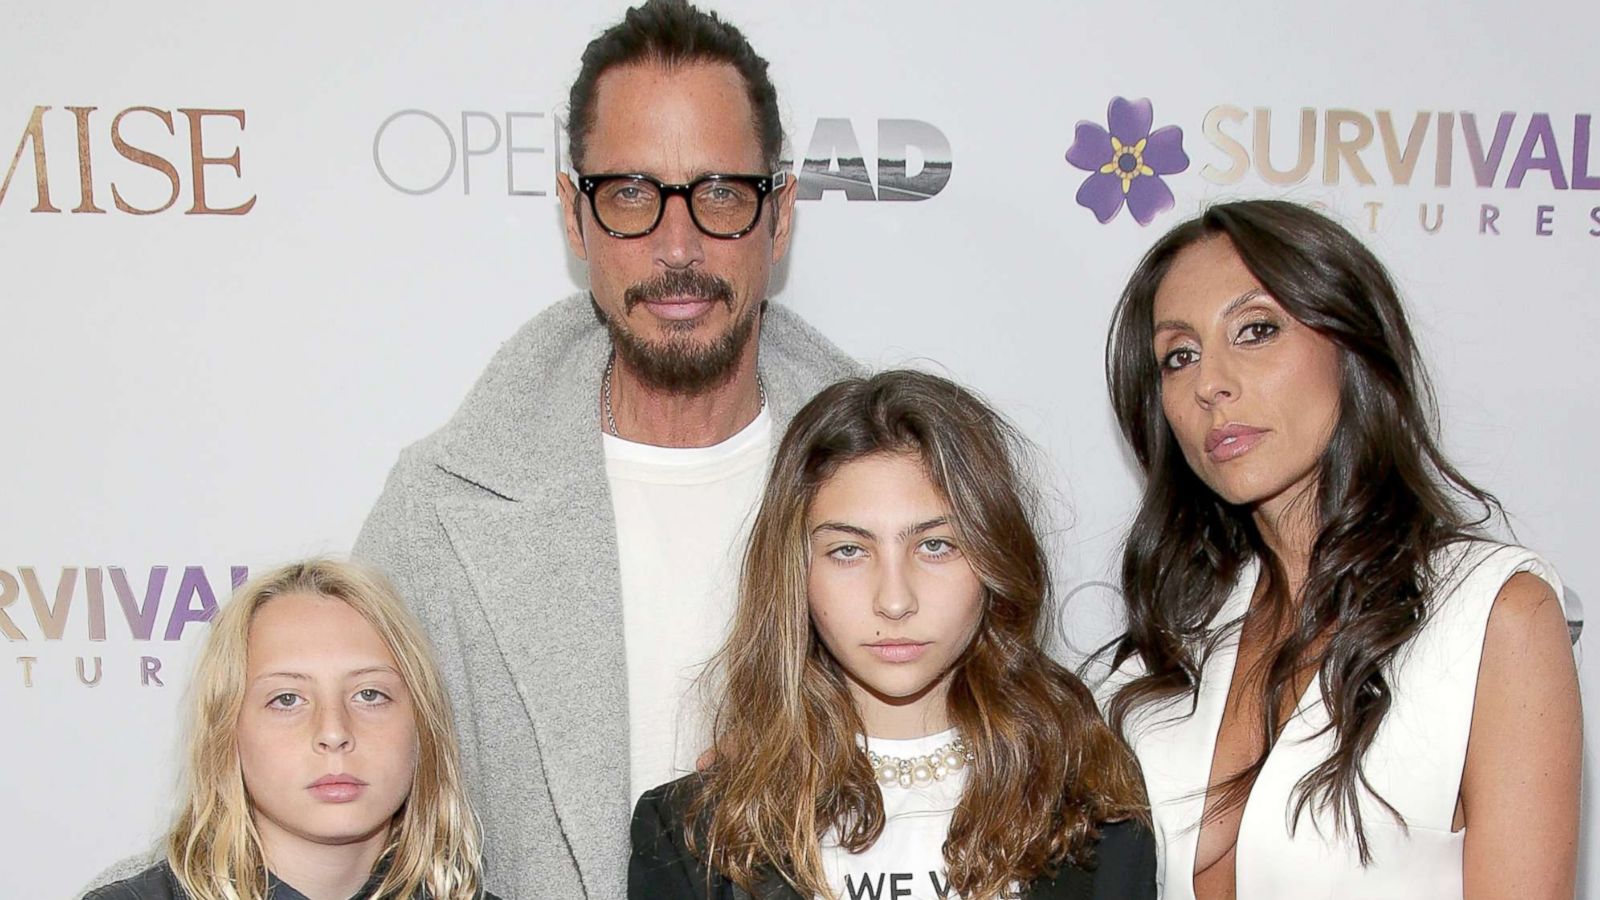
x=540, y=551
x=552, y=603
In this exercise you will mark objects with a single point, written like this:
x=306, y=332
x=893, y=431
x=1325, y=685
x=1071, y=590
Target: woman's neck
x=904, y=718
x=318, y=870
x=1288, y=527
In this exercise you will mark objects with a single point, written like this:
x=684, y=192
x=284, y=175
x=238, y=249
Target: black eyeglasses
x=722, y=206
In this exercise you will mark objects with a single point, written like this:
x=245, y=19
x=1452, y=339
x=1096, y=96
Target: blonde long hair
x=214, y=848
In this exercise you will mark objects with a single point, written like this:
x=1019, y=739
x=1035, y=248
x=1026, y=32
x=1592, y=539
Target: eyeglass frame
x=765, y=186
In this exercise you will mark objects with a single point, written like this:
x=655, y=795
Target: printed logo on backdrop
x=1134, y=166
x=913, y=161
x=133, y=617
x=418, y=152
x=154, y=160
x=1126, y=162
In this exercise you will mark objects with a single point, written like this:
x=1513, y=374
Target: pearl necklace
x=919, y=770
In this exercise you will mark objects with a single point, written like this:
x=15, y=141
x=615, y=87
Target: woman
x=888, y=723
x=322, y=760
x=1335, y=684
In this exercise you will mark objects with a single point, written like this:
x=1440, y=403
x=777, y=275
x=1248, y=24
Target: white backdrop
x=196, y=389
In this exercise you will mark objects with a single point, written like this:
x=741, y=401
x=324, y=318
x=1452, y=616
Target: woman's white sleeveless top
x=1414, y=763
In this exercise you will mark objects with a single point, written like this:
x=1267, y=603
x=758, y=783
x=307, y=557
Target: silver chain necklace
x=919, y=770
x=605, y=394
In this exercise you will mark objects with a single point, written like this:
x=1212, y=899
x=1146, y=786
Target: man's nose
x=678, y=243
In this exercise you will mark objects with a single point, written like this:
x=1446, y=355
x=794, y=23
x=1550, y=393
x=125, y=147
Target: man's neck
x=320, y=871
x=648, y=415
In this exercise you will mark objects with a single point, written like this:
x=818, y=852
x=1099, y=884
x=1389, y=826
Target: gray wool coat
x=498, y=531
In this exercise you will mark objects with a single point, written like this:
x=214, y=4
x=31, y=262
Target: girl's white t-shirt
x=907, y=860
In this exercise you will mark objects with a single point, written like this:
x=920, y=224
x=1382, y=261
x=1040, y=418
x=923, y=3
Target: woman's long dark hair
x=1386, y=500
x=1047, y=768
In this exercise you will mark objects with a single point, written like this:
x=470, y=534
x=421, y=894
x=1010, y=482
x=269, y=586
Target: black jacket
x=662, y=868
x=158, y=883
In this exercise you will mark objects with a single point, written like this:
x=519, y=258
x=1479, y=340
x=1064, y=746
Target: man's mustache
x=678, y=283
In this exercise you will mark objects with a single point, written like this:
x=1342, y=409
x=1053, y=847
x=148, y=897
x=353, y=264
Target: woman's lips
x=1231, y=441
x=337, y=788
x=898, y=651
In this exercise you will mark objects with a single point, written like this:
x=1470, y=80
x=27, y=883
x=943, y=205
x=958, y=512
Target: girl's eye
x=1257, y=331
x=284, y=701
x=1177, y=359
x=847, y=552
x=938, y=547
x=371, y=695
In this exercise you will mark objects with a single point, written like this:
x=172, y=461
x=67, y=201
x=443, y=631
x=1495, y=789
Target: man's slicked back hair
x=673, y=33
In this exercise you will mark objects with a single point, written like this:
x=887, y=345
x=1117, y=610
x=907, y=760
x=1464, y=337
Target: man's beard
x=680, y=364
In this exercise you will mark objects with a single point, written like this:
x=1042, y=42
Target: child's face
x=891, y=592
x=327, y=738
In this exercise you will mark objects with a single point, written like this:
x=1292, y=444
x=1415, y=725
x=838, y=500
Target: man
x=571, y=537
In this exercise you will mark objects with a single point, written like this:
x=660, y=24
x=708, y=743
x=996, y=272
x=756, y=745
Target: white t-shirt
x=907, y=860
x=683, y=517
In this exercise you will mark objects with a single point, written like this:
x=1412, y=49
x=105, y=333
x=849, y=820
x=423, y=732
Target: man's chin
x=688, y=349
x=685, y=356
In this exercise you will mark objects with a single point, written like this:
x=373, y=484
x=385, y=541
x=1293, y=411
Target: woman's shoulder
x=154, y=883
x=1125, y=861
x=662, y=866
x=670, y=801
x=660, y=827
x=1469, y=576
x=1123, y=867
x=1126, y=839
x=1105, y=675
x=1105, y=672
x=1470, y=559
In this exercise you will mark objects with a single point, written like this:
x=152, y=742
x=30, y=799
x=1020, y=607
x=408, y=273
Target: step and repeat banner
x=247, y=253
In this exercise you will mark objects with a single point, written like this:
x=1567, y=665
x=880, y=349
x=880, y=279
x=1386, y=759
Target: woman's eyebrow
x=1230, y=309
x=1241, y=300
x=847, y=529
x=938, y=522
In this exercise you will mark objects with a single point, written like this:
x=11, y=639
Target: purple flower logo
x=1127, y=161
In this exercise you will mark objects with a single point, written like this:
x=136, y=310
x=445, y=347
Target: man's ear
x=783, y=216
x=571, y=214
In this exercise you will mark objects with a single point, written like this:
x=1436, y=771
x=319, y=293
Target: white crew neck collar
x=624, y=450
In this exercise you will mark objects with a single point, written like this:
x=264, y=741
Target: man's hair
x=673, y=33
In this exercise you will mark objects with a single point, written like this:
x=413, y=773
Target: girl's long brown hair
x=1386, y=501
x=788, y=767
